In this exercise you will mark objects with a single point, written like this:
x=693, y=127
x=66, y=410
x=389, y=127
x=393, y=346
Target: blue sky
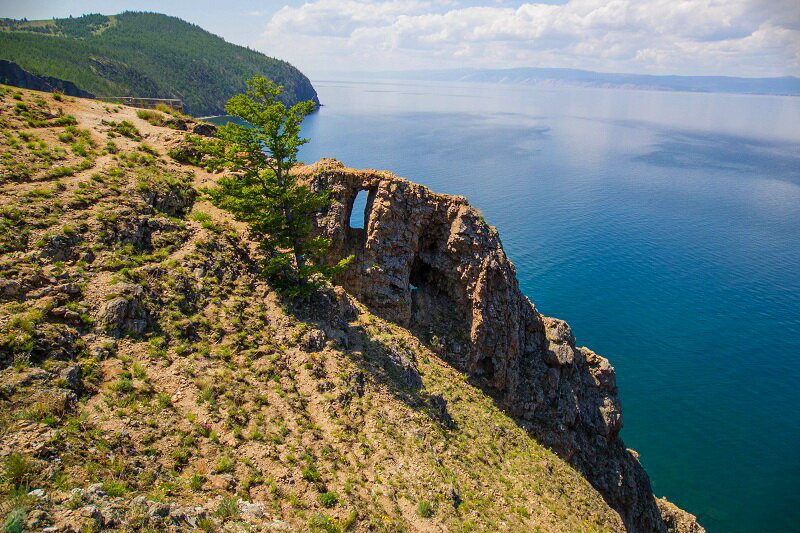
x=700, y=37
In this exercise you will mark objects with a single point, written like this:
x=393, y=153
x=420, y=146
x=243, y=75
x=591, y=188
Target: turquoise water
x=664, y=227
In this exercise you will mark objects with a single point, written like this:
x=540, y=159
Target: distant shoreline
x=557, y=78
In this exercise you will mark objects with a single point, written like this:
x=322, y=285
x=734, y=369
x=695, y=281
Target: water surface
x=664, y=227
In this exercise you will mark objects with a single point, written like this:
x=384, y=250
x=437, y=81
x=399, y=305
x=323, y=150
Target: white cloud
x=732, y=37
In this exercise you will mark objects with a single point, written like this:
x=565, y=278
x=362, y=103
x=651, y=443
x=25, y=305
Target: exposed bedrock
x=431, y=263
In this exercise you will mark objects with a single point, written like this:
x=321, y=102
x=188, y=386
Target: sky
x=685, y=37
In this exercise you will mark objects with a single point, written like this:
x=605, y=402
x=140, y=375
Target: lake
x=663, y=226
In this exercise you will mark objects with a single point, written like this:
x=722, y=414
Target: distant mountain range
x=144, y=55
x=559, y=76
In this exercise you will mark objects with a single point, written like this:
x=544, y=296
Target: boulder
x=205, y=129
x=438, y=406
x=60, y=247
x=175, y=123
x=73, y=377
x=124, y=314
x=10, y=288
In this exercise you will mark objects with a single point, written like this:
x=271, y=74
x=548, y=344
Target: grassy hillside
x=150, y=380
x=146, y=55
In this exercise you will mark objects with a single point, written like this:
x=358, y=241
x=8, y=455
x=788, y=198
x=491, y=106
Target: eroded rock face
x=431, y=263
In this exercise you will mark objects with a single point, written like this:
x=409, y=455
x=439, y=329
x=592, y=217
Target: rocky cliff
x=151, y=380
x=432, y=264
x=13, y=74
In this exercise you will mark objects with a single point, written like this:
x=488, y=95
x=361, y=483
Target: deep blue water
x=664, y=227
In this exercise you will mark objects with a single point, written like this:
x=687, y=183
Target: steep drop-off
x=150, y=380
x=431, y=263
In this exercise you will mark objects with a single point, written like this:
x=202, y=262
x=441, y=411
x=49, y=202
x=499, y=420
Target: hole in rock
x=359, y=213
x=420, y=275
x=486, y=367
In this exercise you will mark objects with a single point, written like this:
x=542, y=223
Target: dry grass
x=222, y=381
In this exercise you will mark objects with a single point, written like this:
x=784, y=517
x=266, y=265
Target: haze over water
x=664, y=227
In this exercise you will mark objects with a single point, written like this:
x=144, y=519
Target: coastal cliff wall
x=432, y=264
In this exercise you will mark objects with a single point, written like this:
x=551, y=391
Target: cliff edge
x=431, y=263
x=151, y=380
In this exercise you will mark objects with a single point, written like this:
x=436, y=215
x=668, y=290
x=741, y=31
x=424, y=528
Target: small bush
x=225, y=464
x=126, y=129
x=310, y=473
x=144, y=147
x=15, y=521
x=124, y=385
x=328, y=499
x=18, y=469
x=164, y=401
x=60, y=172
x=227, y=509
x=115, y=489
x=65, y=120
x=180, y=456
x=329, y=524
x=196, y=483
x=153, y=117
x=425, y=509
x=79, y=148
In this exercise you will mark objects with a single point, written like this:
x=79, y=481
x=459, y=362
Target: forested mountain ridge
x=145, y=55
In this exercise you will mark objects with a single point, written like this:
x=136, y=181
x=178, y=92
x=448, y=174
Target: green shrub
x=18, y=469
x=15, y=521
x=196, y=483
x=164, y=401
x=59, y=172
x=124, y=385
x=180, y=456
x=153, y=117
x=328, y=499
x=115, y=489
x=310, y=473
x=126, y=129
x=64, y=120
x=144, y=147
x=79, y=148
x=225, y=464
x=425, y=509
x=227, y=509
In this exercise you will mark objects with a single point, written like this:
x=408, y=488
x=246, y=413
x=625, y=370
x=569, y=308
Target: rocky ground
x=151, y=381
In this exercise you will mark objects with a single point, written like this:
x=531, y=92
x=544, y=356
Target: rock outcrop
x=431, y=263
x=141, y=349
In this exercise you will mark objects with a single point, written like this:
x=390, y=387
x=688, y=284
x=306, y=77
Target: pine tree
x=260, y=190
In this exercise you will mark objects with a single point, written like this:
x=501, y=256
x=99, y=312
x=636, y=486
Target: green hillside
x=145, y=55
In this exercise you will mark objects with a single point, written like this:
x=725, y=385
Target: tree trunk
x=299, y=260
